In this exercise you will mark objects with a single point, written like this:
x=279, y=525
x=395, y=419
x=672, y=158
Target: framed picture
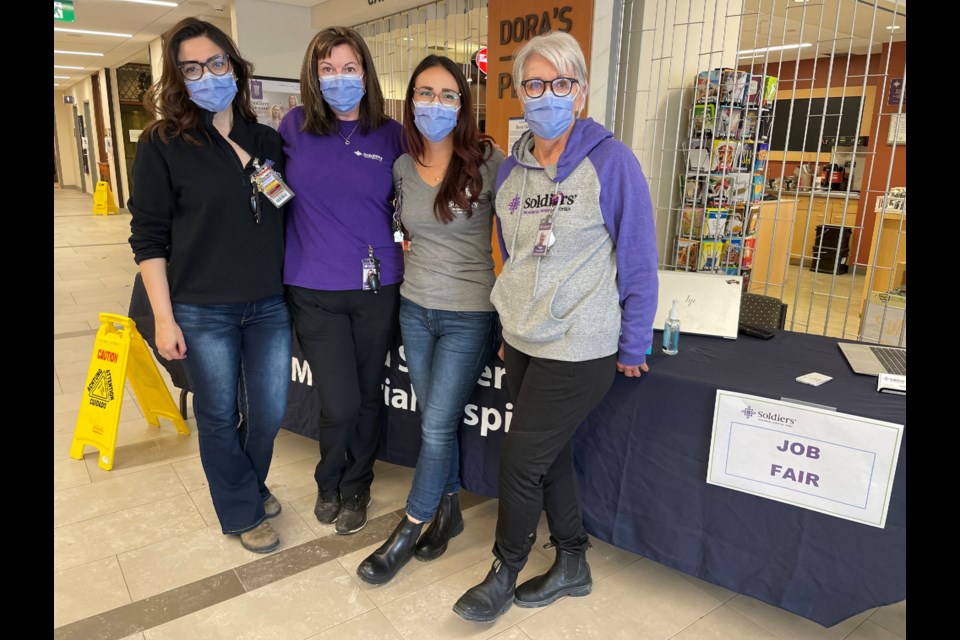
x=272, y=98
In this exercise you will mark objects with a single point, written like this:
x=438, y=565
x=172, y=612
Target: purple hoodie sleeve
x=628, y=213
x=502, y=173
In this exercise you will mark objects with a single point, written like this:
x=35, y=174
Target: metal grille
x=133, y=80
x=452, y=28
x=831, y=235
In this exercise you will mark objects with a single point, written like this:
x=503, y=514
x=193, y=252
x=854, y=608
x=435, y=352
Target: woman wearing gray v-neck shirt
x=446, y=185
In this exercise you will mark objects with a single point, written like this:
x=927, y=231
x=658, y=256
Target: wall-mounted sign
x=480, y=59
x=63, y=11
x=897, y=130
x=68, y=100
x=510, y=25
x=516, y=128
x=272, y=98
x=895, y=95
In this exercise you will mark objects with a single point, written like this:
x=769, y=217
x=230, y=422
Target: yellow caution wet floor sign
x=103, y=202
x=119, y=353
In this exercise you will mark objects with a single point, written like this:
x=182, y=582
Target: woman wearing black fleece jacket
x=210, y=247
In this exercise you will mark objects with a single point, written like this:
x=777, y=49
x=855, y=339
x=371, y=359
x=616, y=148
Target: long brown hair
x=470, y=148
x=168, y=98
x=319, y=118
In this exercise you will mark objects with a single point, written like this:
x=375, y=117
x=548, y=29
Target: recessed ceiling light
x=56, y=84
x=62, y=77
x=781, y=47
x=893, y=27
x=77, y=53
x=156, y=2
x=93, y=33
x=63, y=66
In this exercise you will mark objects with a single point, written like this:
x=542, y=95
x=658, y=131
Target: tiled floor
x=137, y=552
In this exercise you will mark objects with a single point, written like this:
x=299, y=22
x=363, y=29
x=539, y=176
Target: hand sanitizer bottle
x=671, y=331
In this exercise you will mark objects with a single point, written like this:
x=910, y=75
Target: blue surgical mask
x=213, y=93
x=549, y=116
x=434, y=120
x=342, y=91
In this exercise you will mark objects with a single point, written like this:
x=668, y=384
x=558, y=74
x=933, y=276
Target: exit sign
x=63, y=11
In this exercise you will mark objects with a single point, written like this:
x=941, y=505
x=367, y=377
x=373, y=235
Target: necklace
x=346, y=140
x=436, y=179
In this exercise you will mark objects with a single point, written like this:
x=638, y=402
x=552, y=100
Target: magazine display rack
x=724, y=166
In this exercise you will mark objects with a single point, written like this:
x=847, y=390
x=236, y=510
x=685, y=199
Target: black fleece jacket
x=191, y=205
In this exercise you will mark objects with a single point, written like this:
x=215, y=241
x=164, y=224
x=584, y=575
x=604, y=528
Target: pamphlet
x=814, y=379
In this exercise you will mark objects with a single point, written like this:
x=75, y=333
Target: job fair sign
x=839, y=464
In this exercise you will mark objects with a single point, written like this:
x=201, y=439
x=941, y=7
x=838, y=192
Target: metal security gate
x=830, y=240
x=456, y=29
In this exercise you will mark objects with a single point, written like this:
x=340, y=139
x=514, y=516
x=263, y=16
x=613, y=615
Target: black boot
x=381, y=565
x=447, y=523
x=489, y=599
x=569, y=576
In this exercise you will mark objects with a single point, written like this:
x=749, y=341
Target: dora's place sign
x=839, y=464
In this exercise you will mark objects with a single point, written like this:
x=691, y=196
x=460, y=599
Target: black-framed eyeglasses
x=193, y=70
x=425, y=95
x=562, y=86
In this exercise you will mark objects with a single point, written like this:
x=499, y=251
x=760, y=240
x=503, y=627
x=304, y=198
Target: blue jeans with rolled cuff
x=238, y=363
x=445, y=352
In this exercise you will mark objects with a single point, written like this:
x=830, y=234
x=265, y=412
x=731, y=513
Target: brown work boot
x=271, y=506
x=260, y=539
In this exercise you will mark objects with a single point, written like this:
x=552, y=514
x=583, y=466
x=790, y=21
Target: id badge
x=545, y=237
x=397, y=210
x=270, y=184
x=371, y=271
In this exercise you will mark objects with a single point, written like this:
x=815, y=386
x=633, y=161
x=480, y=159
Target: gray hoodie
x=594, y=292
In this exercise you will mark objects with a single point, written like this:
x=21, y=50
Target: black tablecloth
x=642, y=460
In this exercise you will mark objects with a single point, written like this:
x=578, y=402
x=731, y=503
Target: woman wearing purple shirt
x=342, y=267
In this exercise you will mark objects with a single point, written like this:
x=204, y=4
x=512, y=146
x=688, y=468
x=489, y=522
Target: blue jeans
x=446, y=352
x=238, y=363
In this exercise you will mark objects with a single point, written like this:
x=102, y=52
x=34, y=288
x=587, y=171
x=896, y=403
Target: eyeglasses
x=535, y=87
x=218, y=65
x=424, y=95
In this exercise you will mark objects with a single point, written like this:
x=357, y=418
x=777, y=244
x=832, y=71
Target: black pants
x=550, y=400
x=345, y=336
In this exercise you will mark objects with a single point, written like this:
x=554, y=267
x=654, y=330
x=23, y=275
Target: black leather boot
x=489, y=599
x=381, y=565
x=447, y=523
x=569, y=576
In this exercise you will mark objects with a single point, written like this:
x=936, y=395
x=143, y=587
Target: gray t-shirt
x=449, y=266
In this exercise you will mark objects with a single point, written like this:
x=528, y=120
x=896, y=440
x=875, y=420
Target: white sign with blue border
x=834, y=463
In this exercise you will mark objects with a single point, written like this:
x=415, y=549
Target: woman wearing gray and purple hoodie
x=576, y=298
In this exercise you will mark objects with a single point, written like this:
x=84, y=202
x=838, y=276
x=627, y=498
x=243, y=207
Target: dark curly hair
x=168, y=98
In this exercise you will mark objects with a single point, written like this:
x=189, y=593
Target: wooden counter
x=887, y=260
x=773, y=246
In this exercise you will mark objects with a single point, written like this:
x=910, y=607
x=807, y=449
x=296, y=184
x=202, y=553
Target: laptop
x=872, y=359
x=709, y=303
